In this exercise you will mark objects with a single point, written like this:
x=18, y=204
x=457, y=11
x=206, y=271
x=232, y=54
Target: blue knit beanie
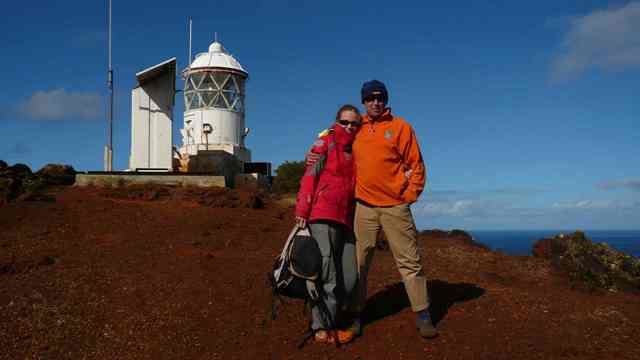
x=374, y=87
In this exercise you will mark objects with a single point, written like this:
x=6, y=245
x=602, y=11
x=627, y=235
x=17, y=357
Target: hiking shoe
x=324, y=337
x=347, y=335
x=355, y=327
x=425, y=325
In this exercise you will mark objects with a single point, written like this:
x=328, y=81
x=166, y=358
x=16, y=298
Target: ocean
x=520, y=242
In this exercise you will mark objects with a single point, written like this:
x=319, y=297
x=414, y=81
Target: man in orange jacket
x=390, y=175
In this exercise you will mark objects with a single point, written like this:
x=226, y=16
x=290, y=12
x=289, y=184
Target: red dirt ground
x=100, y=275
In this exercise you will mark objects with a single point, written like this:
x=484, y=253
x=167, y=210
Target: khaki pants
x=400, y=230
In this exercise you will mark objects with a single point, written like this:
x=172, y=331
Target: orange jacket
x=389, y=166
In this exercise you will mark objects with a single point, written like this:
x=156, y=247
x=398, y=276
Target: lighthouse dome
x=216, y=58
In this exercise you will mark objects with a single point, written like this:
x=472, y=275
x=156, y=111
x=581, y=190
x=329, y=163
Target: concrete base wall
x=162, y=179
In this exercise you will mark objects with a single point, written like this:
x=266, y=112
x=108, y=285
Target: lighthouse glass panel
x=188, y=97
x=231, y=97
x=214, y=89
x=237, y=106
x=219, y=103
x=196, y=102
x=196, y=79
x=207, y=97
x=220, y=79
x=188, y=85
x=230, y=86
x=239, y=84
x=230, y=92
x=207, y=83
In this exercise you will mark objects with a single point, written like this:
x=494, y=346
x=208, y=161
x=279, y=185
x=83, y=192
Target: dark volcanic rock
x=10, y=188
x=436, y=233
x=12, y=180
x=546, y=248
x=19, y=171
x=466, y=238
x=57, y=174
x=19, y=182
x=596, y=265
x=255, y=201
x=455, y=234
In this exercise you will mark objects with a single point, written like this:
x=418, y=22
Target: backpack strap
x=284, y=255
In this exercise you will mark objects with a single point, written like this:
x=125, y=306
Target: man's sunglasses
x=380, y=98
x=347, y=123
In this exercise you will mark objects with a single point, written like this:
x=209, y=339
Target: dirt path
x=95, y=277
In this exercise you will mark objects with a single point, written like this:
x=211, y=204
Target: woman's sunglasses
x=347, y=123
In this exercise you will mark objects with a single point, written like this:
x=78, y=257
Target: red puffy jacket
x=327, y=186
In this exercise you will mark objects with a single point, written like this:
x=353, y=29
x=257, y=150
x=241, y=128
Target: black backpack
x=297, y=273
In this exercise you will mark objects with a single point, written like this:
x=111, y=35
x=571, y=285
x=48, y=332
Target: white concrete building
x=152, y=102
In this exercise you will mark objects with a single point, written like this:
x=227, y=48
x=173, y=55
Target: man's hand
x=301, y=222
x=407, y=174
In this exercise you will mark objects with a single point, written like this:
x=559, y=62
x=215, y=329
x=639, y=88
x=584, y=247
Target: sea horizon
x=520, y=242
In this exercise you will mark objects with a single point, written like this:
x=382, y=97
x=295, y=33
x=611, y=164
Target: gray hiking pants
x=339, y=270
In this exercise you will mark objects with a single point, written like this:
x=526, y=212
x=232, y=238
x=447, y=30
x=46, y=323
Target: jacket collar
x=341, y=135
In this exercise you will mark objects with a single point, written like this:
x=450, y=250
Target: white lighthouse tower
x=214, y=114
x=213, y=133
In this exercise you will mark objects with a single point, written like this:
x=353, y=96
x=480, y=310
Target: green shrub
x=287, y=179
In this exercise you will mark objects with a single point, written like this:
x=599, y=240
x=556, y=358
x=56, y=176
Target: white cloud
x=476, y=210
x=452, y=208
x=593, y=205
x=59, y=104
x=607, y=39
x=631, y=184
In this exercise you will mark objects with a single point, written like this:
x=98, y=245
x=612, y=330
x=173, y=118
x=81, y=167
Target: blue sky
x=527, y=113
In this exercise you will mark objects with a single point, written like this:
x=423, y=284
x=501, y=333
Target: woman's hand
x=301, y=222
x=311, y=158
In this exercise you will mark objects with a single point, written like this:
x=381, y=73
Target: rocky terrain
x=162, y=273
x=590, y=265
x=18, y=182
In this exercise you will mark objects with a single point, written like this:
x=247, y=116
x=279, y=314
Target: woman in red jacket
x=325, y=202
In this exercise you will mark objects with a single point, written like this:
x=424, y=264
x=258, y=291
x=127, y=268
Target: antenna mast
x=190, y=29
x=108, y=151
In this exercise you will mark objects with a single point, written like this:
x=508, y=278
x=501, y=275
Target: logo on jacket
x=388, y=134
